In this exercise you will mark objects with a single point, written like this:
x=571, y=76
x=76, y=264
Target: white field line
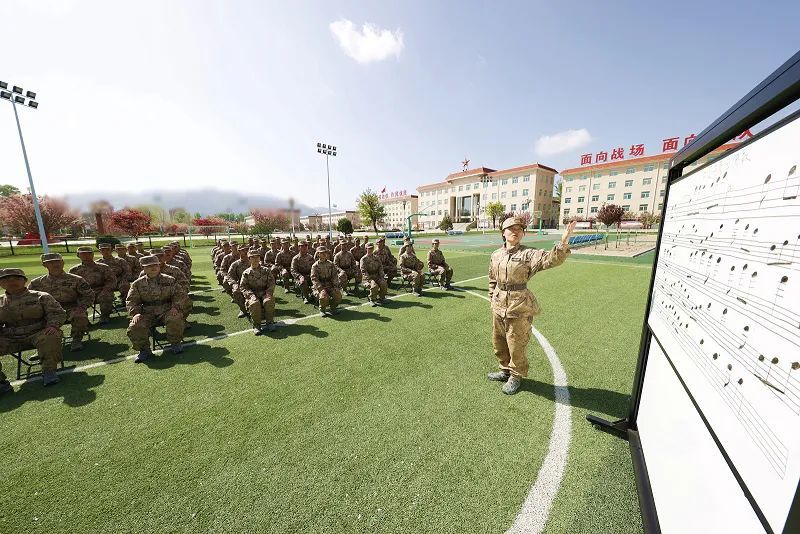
x=210, y=339
x=532, y=517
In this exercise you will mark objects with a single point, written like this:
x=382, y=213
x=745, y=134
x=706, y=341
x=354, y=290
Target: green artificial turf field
x=376, y=420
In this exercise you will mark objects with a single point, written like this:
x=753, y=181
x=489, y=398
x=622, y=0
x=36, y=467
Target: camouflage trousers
x=349, y=274
x=123, y=287
x=284, y=275
x=328, y=296
x=238, y=297
x=139, y=334
x=220, y=277
x=377, y=289
x=78, y=322
x=415, y=277
x=105, y=300
x=48, y=347
x=261, y=308
x=303, y=285
x=510, y=337
x=443, y=272
x=390, y=272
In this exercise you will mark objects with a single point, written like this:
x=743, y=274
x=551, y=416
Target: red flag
x=383, y=190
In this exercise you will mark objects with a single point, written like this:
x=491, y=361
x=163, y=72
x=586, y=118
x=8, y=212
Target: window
x=526, y=178
x=626, y=196
x=661, y=193
x=524, y=192
x=628, y=183
x=485, y=185
x=460, y=187
x=647, y=181
x=610, y=197
x=664, y=180
x=440, y=212
x=494, y=196
x=569, y=189
x=612, y=185
x=613, y=173
x=642, y=207
x=569, y=178
x=626, y=207
x=665, y=165
x=593, y=209
x=660, y=206
x=502, y=194
x=580, y=210
x=598, y=174
x=581, y=188
x=595, y=198
x=504, y=181
x=648, y=168
x=645, y=194
x=514, y=193
x=581, y=199
x=515, y=180
x=513, y=207
x=467, y=187
x=566, y=211
x=630, y=170
x=595, y=187
x=567, y=200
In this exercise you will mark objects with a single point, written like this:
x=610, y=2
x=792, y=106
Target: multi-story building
x=464, y=195
x=637, y=185
x=319, y=221
x=399, y=206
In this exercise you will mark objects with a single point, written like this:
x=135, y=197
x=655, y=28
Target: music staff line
x=764, y=438
x=759, y=251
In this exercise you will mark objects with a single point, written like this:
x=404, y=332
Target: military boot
x=75, y=345
x=49, y=378
x=256, y=331
x=242, y=315
x=104, y=319
x=500, y=376
x=513, y=384
x=270, y=327
x=143, y=355
x=5, y=387
x=177, y=348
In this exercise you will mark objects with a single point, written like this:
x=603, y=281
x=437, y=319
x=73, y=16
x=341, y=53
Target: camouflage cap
x=284, y=241
x=157, y=251
x=6, y=273
x=52, y=256
x=435, y=242
x=304, y=243
x=134, y=245
x=103, y=246
x=120, y=246
x=407, y=239
x=370, y=245
x=253, y=254
x=149, y=260
x=512, y=221
x=81, y=250
x=322, y=249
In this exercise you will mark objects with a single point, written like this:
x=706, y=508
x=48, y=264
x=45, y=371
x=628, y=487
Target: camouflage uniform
x=411, y=268
x=325, y=282
x=372, y=274
x=224, y=265
x=234, y=276
x=283, y=267
x=348, y=267
x=406, y=245
x=388, y=260
x=133, y=263
x=175, y=262
x=122, y=273
x=153, y=298
x=513, y=305
x=301, y=271
x=439, y=267
x=140, y=253
x=102, y=281
x=180, y=280
x=258, y=286
x=23, y=320
x=73, y=294
x=358, y=251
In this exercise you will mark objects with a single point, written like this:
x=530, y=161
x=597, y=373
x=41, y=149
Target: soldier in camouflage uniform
x=406, y=245
x=301, y=271
x=170, y=259
x=133, y=260
x=119, y=267
x=258, y=286
x=217, y=261
x=269, y=256
x=389, y=262
x=71, y=291
x=372, y=274
x=154, y=299
x=295, y=247
x=29, y=319
x=513, y=305
x=182, y=254
x=357, y=250
x=100, y=278
x=234, y=276
x=325, y=283
x=348, y=268
x=283, y=265
x=180, y=279
x=140, y=253
x=438, y=267
x=411, y=269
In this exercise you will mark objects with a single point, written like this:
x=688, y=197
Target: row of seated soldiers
x=31, y=315
x=249, y=272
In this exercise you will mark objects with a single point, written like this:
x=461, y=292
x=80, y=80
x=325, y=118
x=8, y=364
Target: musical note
x=790, y=193
x=779, y=292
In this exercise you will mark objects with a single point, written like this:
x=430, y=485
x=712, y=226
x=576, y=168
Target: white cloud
x=549, y=145
x=371, y=43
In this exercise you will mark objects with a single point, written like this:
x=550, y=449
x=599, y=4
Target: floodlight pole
x=37, y=211
x=328, y=168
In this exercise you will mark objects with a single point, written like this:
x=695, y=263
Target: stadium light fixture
x=328, y=151
x=17, y=92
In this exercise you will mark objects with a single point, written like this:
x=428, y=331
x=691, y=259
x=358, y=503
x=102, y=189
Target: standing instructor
x=513, y=305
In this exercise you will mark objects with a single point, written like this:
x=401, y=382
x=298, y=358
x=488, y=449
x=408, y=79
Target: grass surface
x=378, y=420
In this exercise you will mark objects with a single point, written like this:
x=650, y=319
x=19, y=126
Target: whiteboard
x=726, y=308
x=683, y=462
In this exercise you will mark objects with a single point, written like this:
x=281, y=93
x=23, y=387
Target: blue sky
x=177, y=95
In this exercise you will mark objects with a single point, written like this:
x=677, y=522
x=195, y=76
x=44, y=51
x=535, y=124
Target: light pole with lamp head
x=15, y=97
x=328, y=150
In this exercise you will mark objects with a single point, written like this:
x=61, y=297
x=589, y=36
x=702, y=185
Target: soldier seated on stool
x=389, y=262
x=411, y=268
x=301, y=271
x=154, y=299
x=234, y=275
x=120, y=268
x=29, y=319
x=71, y=291
x=347, y=266
x=258, y=285
x=325, y=280
x=372, y=274
x=438, y=267
x=100, y=278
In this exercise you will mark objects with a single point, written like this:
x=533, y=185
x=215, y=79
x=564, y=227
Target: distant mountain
x=204, y=201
